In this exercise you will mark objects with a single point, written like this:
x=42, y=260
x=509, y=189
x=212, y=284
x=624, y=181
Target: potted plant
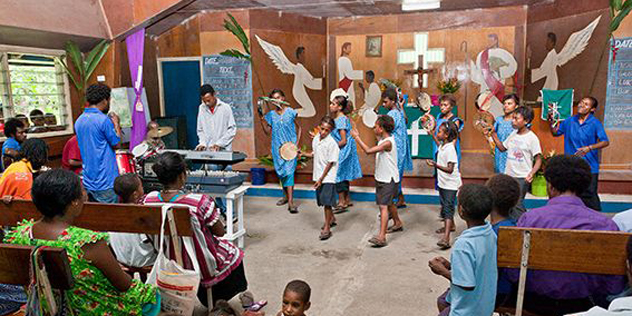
x=449, y=86
x=538, y=186
x=84, y=64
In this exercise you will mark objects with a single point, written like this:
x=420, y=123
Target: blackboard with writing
x=618, y=112
x=232, y=80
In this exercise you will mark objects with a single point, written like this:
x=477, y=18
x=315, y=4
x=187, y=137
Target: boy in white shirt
x=325, y=152
x=386, y=176
x=522, y=147
x=448, y=176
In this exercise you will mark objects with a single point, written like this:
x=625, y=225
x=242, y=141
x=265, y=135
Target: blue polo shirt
x=578, y=135
x=96, y=137
x=473, y=261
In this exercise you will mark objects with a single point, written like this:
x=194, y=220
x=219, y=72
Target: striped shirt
x=217, y=258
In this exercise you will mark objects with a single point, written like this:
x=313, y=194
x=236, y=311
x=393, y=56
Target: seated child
x=386, y=176
x=472, y=268
x=295, y=299
x=325, y=153
x=132, y=250
x=506, y=192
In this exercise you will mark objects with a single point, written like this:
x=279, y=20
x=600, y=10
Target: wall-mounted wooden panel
x=271, y=78
x=214, y=21
x=288, y=22
x=181, y=41
x=550, y=10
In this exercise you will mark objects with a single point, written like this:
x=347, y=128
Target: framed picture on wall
x=374, y=46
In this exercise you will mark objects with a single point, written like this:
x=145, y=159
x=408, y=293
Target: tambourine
x=369, y=117
x=423, y=101
x=288, y=151
x=140, y=150
x=483, y=121
x=484, y=101
x=428, y=122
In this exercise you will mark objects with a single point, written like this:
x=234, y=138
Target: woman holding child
x=221, y=266
x=100, y=285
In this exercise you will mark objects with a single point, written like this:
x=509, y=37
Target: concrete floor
x=347, y=276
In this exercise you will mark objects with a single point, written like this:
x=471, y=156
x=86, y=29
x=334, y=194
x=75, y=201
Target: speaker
x=177, y=139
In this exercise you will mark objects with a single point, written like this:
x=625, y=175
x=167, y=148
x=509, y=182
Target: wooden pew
x=581, y=251
x=120, y=218
x=14, y=267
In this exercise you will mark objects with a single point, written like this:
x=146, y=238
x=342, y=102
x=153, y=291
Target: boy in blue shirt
x=15, y=131
x=472, y=268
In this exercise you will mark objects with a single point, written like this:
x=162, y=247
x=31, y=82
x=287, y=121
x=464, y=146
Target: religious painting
x=574, y=46
x=120, y=104
x=346, y=74
x=493, y=66
x=302, y=77
x=374, y=46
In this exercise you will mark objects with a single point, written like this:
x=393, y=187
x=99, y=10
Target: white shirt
x=325, y=151
x=619, y=307
x=624, y=221
x=386, y=163
x=445, y=154
x=134, y=250
x=217, y=128
x=520, y=152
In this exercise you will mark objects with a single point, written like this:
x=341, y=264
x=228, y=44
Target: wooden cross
x=420, y=71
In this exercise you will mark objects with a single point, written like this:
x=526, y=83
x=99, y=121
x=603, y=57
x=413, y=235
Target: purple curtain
x=135, y=48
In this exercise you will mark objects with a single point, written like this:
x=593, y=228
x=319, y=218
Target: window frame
x=56, y=53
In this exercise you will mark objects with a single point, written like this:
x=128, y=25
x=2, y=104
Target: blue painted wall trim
x=607, y=207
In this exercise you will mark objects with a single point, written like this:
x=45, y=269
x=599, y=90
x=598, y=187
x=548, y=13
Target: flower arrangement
x=449, y=86
x=545, y=161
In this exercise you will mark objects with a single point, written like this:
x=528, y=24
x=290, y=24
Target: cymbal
x=160, y=132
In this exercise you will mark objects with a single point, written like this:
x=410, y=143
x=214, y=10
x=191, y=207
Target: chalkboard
x=232, y=80
x=618, y=112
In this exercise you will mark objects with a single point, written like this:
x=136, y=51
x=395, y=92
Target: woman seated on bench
x=100, y=285
x=220, y=262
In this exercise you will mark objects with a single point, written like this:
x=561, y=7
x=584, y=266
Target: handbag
x=177, y=286
x=42, y=300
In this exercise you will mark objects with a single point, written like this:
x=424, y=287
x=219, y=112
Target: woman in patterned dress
x=503, y=128
x=404, y=156
x=348, y=162
x=220, y=262
x=282, y=124
x=100, y=285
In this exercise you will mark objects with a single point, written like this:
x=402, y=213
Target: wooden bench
x=581, y=251
x=15, y=267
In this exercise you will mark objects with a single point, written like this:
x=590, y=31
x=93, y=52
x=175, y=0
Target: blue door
x=181, y=88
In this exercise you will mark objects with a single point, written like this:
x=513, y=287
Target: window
x=33, y=85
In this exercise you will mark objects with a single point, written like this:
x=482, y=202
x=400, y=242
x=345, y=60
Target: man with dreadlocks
x=17, y=180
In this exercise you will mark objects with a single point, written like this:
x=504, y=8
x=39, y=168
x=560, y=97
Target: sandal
x=394, y=229
x=442, y=230
x=281, y=202
x=340, y=209
x=332, y=225
x=324, y=235
x=377, y=243
x=443, y=244
x=293, y=210
x=400, y=206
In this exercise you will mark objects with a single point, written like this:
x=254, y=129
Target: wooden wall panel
x=214, y=21
x=181, y=41
x=288, y=22
x=561, y=8
x=272, y=78
x=219, y=41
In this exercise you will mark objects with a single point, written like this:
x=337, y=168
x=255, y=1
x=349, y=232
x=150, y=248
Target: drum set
x=133, y=162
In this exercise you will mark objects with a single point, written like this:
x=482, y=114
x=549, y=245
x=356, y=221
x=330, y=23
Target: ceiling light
x=415, y=5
